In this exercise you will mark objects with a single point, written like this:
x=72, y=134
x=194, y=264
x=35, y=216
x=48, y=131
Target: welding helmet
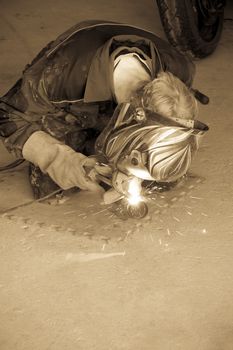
x=149, y=146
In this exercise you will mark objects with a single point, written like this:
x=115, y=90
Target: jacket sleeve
x=23, y=108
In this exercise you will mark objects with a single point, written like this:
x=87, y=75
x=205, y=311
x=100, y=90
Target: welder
x=107, y=89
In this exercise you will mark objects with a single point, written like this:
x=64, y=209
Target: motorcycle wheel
x=192, y=26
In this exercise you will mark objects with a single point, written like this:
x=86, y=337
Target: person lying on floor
x=66, y=97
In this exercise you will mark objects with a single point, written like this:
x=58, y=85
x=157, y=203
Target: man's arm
x=21, y=125
x=65, y=166
x=23, y=107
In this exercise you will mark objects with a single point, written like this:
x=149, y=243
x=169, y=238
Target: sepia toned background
x=74, y=276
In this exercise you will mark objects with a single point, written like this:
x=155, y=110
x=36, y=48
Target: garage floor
x=75, y=276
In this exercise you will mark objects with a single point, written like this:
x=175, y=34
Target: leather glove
x=65, y=166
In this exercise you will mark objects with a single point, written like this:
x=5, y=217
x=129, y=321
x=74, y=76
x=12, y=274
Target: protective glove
x=65, y=166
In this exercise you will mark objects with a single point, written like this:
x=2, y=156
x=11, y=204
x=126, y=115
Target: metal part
x=137, y=211
x=12, y=165
x=120, y=182
x=31, y=202
x=202, y=98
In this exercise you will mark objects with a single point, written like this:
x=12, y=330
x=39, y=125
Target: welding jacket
x=68, y=89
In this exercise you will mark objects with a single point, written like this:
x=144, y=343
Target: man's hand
x=65, y=166
x=68, y=170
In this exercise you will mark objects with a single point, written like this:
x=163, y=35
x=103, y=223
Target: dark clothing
x=68, y=91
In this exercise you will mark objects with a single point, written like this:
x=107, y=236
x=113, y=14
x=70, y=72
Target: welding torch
x=124, y=189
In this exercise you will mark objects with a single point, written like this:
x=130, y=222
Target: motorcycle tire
x=193, y=27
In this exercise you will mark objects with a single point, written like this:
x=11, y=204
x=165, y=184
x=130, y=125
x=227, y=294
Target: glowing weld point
x=134, y=200
x=134, y=191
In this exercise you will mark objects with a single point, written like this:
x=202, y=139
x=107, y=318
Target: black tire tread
x=180, y=32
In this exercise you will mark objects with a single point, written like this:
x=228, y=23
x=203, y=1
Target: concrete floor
x=73, y=276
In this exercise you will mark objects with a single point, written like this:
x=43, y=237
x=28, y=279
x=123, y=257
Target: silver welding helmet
x=149, y=146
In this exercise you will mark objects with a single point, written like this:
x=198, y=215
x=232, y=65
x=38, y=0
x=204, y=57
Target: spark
x=127, y=234
x=179, y=233
x=188, y=212
x=190, y=187
x=87, y=234
x=91, y=256
x=175, y=218
x=182, y=193
x=69, y=212
x=168, y=232
x=152, y=239
x=193, y=197
x=134, y=191
x=159, y=205
x=98, y=212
